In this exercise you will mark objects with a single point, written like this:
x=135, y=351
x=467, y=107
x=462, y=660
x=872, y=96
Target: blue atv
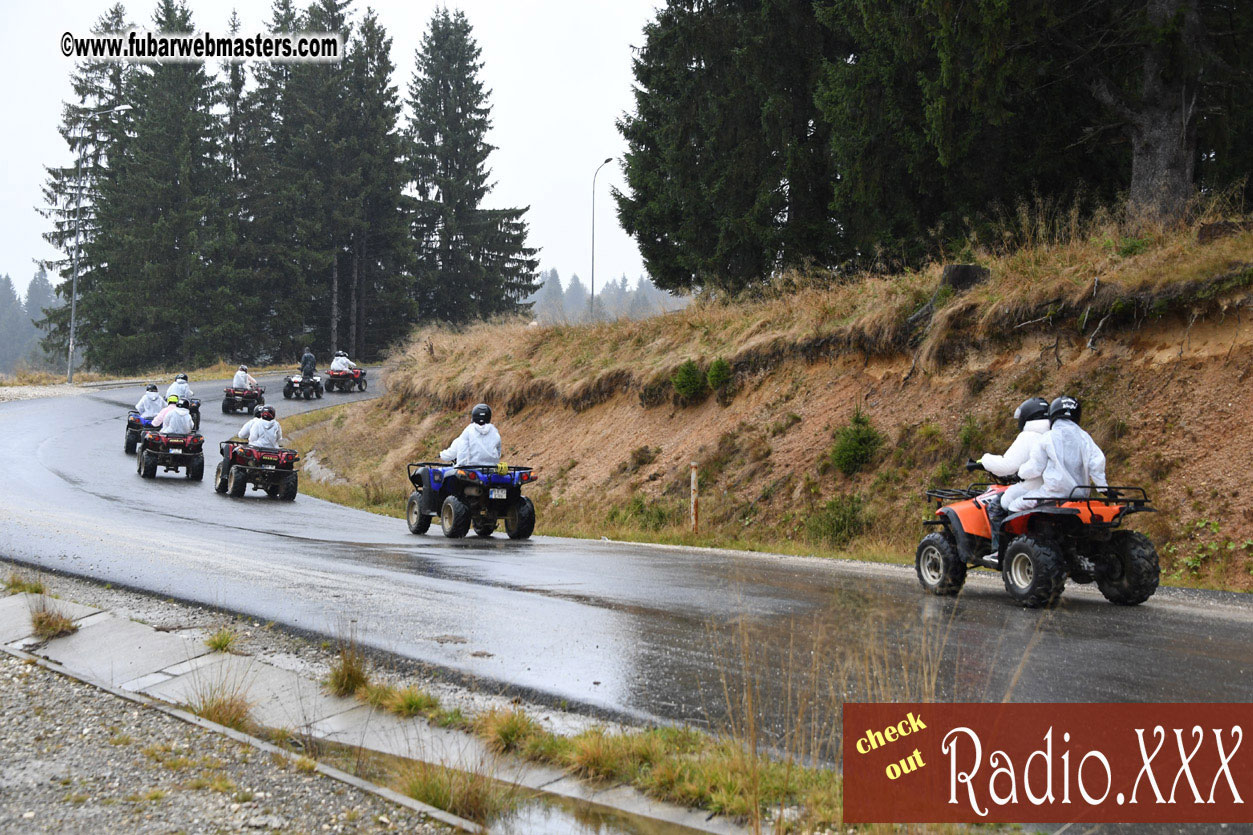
x=135, y=426
x=465, y=497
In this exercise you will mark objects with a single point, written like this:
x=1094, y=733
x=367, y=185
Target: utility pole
x=591, y=300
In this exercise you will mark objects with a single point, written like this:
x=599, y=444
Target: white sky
x=559, y=72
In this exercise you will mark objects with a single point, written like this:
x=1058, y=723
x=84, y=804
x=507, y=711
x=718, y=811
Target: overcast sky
x=559, y=72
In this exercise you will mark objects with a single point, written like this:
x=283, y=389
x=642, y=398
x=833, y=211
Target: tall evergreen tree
x=41, y=299
x=160, y=297
x=96, y=134
x=15, y=326
x=473, y=262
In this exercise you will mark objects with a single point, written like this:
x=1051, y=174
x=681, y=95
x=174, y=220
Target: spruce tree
x=472, y=262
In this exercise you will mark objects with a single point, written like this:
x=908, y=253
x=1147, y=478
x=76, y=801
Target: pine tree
x=575, y=300
x=473, y=262
x=15, y=326
x=41, y=299
x=547, y=303
x=96, y=134
x=380, y=307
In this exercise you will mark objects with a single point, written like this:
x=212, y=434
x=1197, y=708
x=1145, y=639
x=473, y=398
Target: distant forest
x=19, y=336
x=554, y=304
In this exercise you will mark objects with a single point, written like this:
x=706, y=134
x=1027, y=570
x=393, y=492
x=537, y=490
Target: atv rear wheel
x=147, y=464
x=418, y=521
x=236, y=482
x=132, y=441
x=1034, y=572
x=454, y=518
x=1133, y=569
x=227, y=408
x=290, y=488
x=940, y=570
x=195, y=470
x=520, y=519
x=288, y=391
x=219, y=478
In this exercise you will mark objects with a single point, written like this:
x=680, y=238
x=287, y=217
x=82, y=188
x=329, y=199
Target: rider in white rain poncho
x=263, y=430
x=179, y=387
x=342, y=363
x=478, y=445
x=243, y=380
x=176, y=421
x=151, y=404
x=1032, y=417
x=1067, y=457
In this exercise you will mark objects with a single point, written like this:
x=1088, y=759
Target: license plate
x=496, y=493
x=269, y=465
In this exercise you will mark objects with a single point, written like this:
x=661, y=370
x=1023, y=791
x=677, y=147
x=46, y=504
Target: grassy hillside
x=836, y=403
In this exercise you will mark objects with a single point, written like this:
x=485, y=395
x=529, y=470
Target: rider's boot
x=996, y=515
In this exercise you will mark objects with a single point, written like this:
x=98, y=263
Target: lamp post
x=591, y=300
x=78, y=206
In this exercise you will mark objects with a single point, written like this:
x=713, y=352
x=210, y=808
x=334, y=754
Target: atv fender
x=965, y=547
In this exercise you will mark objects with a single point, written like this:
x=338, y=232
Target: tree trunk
x=352, y=298
x=335, y=301
x=365, y=278
x=1163, y=130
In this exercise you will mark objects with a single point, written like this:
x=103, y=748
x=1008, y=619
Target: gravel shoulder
x=79, y=760
x=32, y=392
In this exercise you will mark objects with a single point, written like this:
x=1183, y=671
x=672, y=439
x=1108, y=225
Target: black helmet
x=266, y=413
x=1034, y=408
x=183, y=403
x=182, y=377
x=151, y=387
x=341, y=353
x=1065, y=408
x=256, y=410
x=481, y=414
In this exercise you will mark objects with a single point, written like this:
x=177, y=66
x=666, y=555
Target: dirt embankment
x=1156, y=339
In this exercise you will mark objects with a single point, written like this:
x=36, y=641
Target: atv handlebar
x=972, y=465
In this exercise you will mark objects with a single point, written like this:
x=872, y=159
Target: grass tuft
x=47, y=622
x=474, y=796
x=412, y=701
x=19, y=584
x=349, y=671
x=223, y=640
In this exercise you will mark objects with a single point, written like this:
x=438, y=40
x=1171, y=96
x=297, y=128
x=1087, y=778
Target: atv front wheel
x=236, y=482
x=219, y=479
x=454, y=518
x=361, y=385
x=418, y=521
x=520, y=520
x=1034, y=572
x=940, y=570
x=1133, y=571
x=227, y=408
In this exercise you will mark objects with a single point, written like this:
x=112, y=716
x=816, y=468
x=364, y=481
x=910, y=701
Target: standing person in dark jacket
x=308, y=365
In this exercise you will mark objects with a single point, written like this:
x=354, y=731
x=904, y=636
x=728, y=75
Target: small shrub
x=376, y=694
x=837, y=522
x=719, y=375
x=639, y=458
x=223, y=640
x=474, y=796
x=783, y=424
x=306, y=765
x=689, y=383
x=648, y=515
x=855, y=445
x=977, y=382
x=348, y=672
x=1129, y=246
x=971, y=436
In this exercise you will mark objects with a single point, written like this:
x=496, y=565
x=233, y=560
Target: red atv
x=1076, y=537
x=346, y=380
x=246, y=399
x=271, y=470
x=172, y=452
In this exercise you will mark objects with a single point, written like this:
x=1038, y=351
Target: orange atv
x=1076, y=537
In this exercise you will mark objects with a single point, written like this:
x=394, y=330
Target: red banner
x=1019, y=763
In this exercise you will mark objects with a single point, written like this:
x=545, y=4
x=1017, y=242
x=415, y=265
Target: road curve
x=650, y=632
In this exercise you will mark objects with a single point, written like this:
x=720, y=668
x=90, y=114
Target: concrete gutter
x=161, y=669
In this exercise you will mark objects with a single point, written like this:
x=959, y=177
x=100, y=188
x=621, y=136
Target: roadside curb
x=255, y=742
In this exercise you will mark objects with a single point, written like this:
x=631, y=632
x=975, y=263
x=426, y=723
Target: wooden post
x=695, y=502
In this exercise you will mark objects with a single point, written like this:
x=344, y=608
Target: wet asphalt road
x=660, y=633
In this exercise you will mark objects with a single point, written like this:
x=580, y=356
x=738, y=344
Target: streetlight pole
x=591, y=300
x=78, y=207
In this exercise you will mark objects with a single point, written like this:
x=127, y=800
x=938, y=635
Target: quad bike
x=271, y=470
x=135, y=425
x=1077, y=537
x=306, y=386
x=346, y=380
x=247, y=399
x=465, y=497
x=170, y=452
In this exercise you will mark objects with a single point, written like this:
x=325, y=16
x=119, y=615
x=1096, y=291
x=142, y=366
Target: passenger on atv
x=180, y=387
x=150, y=405
x=1066, y=457
x=243, y=380
x=263, y=430
x=258, y=460
x=175, y=421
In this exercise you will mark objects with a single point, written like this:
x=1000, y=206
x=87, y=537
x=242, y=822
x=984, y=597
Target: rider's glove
x=972, y=465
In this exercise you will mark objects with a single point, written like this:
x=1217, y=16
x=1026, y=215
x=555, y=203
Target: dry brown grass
x=350, y=671
x=48, y=621
x=225, y=702
x=18, y=583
